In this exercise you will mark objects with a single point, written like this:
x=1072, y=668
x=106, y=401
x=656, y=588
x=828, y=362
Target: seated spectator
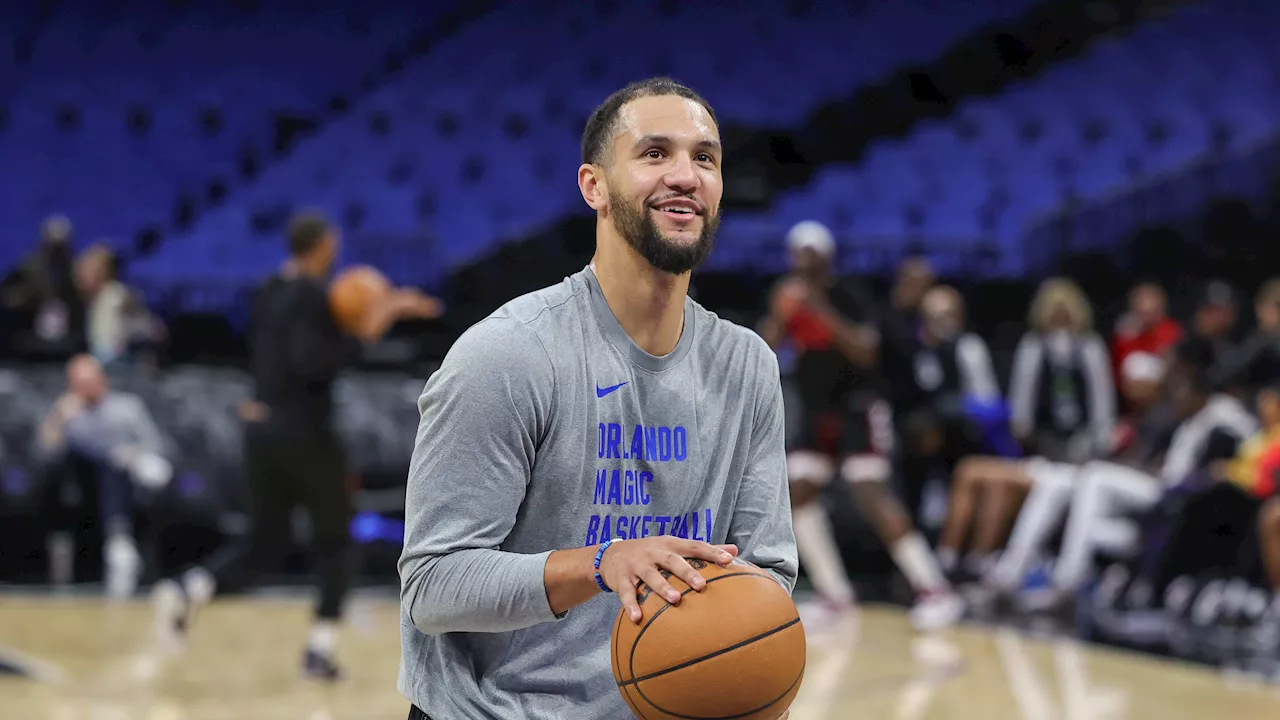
x=1201, y=528
x=1146, y=327
x=1063, y=410
x=1256, y=362
x=935, y=373
x=1251, y=468
x=1099, y=492
x=42, y=295
x=100, y=440
x=104, y=297
x=1061, y=394
x=1213, y=326
x=902, y=319
x=119, y=327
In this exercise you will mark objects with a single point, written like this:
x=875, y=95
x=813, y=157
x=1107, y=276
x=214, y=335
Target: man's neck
x=648, y=303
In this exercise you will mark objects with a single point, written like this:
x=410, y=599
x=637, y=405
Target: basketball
x=734, y=650
x=353, y=292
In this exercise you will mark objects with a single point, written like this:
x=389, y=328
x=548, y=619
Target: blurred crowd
x=1147, y=454
x=1116, y=466
x=60, y=302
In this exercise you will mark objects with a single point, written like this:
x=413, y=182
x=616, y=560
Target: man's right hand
x=627, y=563
x=414, y=304
x=68, y=406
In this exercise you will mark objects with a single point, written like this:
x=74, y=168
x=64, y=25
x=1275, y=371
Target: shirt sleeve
x=1024, y=383
x=1102, y=391
x=976, y=372
x=483, y=415
x=761, y=521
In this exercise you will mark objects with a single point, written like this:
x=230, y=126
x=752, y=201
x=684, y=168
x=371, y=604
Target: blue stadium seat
x=482, y=145
x=1175, y=91
x=106, y=122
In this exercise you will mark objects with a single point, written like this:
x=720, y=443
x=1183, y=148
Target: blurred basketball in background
x=355, y=290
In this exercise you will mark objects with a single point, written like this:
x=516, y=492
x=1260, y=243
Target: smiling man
x=587, y=437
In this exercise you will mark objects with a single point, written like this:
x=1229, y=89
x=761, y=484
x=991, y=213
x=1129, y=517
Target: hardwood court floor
x=241, y=664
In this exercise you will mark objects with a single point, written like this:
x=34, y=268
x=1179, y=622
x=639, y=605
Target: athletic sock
x=818, y=552
x=913, y=557
x=199, y=585
x=324, y=635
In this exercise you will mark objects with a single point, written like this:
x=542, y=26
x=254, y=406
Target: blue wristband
x=600, y=554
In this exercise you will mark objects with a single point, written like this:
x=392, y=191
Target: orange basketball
x=734, y=650
x=353, y=292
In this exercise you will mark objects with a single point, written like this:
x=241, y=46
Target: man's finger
x=627, y=594
x=710, y=553
x=683, y=570
x=658, y=583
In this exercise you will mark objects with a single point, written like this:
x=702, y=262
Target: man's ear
x=594, y=187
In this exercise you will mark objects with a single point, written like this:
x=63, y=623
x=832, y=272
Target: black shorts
x=865, y=429
x=416, y=714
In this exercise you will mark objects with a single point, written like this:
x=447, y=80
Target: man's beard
x=641, y=232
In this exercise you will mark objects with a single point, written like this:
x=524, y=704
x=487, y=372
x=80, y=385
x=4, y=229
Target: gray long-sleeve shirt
x=117, y=420
x=547, y=428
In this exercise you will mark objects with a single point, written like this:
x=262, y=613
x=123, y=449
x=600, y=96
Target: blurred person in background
x=1101, y=493
x=938, y=371
x=914, y=278
x=1062, y=396
x=41, y=292
x=293, y=453
x=1145, y=327
x=1063, y=409
x=120, y=328
x=847, y=427
x=1257, y=470
x=99, y=442
x=1201, y=529
x=1212, y=331
x=1256, y=362
x=105, y=298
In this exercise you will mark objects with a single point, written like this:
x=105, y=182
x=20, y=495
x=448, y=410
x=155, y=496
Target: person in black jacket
x=1256, y=362
x=293, y=455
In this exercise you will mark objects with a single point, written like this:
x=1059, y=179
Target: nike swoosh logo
x=601, y=392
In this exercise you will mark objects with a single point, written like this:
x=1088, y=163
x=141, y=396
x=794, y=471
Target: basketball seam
x=631, y=659
x=748, y=713
x=626, y=692
x=708, y=656
x=625, y=686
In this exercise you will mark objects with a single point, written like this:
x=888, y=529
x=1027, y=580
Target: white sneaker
x=169, y=605
x=151, y=471
x=123, y=564
x=937, y=610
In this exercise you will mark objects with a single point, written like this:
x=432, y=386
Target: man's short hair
x=603, y=123
x=306, y=231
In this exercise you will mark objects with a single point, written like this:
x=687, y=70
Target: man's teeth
x=682, y=211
